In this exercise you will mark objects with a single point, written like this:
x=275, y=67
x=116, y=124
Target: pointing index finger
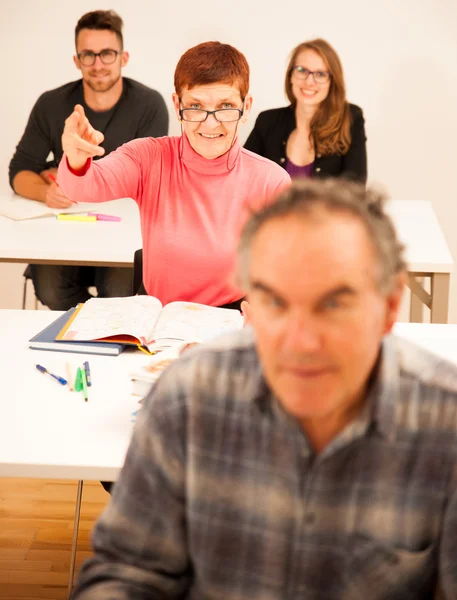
x=90, y=149
x=80, y=109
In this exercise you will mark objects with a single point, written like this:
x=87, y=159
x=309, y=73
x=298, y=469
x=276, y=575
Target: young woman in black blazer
x=320, y=134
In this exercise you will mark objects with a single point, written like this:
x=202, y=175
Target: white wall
x=399, y=58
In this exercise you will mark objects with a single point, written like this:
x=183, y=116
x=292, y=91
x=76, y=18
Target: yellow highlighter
x=65, y=217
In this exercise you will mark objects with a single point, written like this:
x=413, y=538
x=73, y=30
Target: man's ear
x=393, y=301
x=76, y=61
x=246, y=312
x=125, y=57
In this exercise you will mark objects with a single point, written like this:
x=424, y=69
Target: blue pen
x=88, y=377
x=61, y=380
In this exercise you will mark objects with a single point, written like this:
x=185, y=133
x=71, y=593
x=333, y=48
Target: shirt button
x=282, y=160
x=317, y=170
x=310, y=519
x=319, y=156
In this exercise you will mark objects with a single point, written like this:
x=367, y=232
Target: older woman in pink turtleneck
x=193, y=191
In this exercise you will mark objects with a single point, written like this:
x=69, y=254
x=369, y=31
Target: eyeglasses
x=107, y=56
x=223, y=115
x=320, y=77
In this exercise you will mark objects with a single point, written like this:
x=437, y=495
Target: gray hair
x=304, y=196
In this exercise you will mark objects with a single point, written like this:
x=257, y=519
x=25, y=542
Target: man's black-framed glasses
x=318, y=76
x=107, y=56
x=223, y=115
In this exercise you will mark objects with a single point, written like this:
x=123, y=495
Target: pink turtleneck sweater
x=191, y=210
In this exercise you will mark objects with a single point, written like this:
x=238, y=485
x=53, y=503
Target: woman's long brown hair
x=331, y=125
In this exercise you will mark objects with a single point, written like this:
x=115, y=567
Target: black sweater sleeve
x=35, y=145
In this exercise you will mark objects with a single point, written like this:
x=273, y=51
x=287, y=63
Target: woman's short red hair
x=212, y=62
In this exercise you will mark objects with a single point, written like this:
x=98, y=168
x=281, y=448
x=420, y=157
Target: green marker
x=78, y=381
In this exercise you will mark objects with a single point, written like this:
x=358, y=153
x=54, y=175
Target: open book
x=142, y=321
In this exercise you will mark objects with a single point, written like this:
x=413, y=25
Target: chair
x=27, y=275
x=138, y=287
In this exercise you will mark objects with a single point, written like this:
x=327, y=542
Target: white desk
x=441, y=339
x=46, y=431
x=427, y=254
x=49, y=241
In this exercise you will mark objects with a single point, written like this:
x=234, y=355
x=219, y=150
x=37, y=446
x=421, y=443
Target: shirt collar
x=384, y=392
x=205, y=166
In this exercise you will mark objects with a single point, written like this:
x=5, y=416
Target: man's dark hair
x=305, y=197
x=100, y=20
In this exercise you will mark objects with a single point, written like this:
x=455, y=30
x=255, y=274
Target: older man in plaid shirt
x=313, y=454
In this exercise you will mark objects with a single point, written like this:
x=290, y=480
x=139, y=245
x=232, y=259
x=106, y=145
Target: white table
x=46, y=431
x=49, y=241
x=428, y=256
x=439, y=338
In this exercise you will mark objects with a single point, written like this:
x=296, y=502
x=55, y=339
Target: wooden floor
x=36, y=528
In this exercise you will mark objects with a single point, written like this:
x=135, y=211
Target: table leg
x=419, y=297
x=440, y=297
x=416, y=304
x=79, y=493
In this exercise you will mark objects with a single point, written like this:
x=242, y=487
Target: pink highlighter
x=102, y=217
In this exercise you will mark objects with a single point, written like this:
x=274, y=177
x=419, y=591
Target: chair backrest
x=137, y=271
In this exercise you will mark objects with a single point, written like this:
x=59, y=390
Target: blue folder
x=46, y=340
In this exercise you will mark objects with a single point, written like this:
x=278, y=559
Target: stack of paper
x=143, y=376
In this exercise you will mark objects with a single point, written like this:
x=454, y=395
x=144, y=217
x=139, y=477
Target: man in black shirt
x=121, y=108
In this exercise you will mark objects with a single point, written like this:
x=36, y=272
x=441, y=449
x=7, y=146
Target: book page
x=21, y=209
x=192, y=322
x=18, y=208
x=107, y=317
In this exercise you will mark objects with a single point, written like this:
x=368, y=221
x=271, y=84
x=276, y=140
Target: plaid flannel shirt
x=221, y=496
